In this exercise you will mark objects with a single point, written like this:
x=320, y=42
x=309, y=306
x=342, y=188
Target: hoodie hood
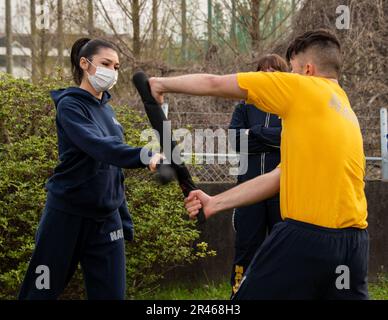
x=58, y=95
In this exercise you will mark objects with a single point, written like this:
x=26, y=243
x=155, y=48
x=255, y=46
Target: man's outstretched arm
x=250, y=192
x=198, y=85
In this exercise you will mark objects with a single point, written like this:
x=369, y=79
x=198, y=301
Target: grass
x=222, y=291
x=211, y=291
x=379, y=290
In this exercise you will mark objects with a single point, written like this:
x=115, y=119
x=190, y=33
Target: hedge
x=164, y=237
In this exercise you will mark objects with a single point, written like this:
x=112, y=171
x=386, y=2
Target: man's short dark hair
x=327, y=45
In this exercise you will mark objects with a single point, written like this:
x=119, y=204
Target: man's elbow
x=214, y=83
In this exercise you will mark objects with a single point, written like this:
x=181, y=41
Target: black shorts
x=303, y=261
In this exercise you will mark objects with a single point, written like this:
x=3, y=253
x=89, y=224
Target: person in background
x=253, y=223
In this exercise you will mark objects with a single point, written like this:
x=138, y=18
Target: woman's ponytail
x=75, y=59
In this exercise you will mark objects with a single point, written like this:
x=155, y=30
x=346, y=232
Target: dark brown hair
x=327, y=45
x=87, y=48
x=272, y=61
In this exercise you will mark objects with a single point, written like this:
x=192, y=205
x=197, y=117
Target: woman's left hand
x=155, y=160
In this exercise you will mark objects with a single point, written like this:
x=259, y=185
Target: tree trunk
x=90, y=18
x=184, y=30
x=255, y=27
x=34, y=76
x=274, y=23
x=233, y=37
x=293, y=8
x=42, y=49
x=136, y=27
x=154, y=24
x=209, y=23
x=60, y=36
x=8, y=31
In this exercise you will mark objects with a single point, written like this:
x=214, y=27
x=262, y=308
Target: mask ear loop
x=91, y=63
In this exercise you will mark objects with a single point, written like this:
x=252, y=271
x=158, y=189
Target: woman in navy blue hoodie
x=86, y=218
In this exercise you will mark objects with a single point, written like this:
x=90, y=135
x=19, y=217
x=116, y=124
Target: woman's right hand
x=155, y=160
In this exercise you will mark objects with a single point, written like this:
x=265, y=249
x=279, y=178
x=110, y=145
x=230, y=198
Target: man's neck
x=328, y=77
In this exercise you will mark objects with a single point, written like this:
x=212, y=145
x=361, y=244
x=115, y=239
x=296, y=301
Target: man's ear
x=310, y=69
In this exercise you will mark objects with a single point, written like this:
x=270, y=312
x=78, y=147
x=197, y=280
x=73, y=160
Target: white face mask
x=104, y=79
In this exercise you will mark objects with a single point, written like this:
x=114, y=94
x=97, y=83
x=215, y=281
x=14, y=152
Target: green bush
x=164, y=238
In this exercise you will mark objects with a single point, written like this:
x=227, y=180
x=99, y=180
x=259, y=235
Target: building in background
x=21, y=53
x=74, y=24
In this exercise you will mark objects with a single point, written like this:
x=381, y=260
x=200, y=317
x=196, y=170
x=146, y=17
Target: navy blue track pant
x=252, y=225
x=62, y=242
x=303, y=261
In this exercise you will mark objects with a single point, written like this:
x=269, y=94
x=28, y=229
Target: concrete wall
x=218, y=232
x=377, y=195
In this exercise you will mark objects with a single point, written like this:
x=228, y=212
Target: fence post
x=384, y=143
x=165, y=109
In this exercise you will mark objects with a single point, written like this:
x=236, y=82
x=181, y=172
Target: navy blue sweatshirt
x=89, y=180
x=263, y=139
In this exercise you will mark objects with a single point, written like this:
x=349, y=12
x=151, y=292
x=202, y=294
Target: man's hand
x=157, y=89
x=155, y=160
x=196, y=200
x=245, y=194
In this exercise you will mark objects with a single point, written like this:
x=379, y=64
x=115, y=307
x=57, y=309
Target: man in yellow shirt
x=320, y=250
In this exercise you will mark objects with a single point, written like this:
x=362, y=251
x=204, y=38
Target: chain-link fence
x=213, y=173
x=220, y=172
x=376, y=165
x=373, y=168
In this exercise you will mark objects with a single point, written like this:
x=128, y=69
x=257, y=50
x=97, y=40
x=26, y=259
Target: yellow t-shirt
x=322, y=156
